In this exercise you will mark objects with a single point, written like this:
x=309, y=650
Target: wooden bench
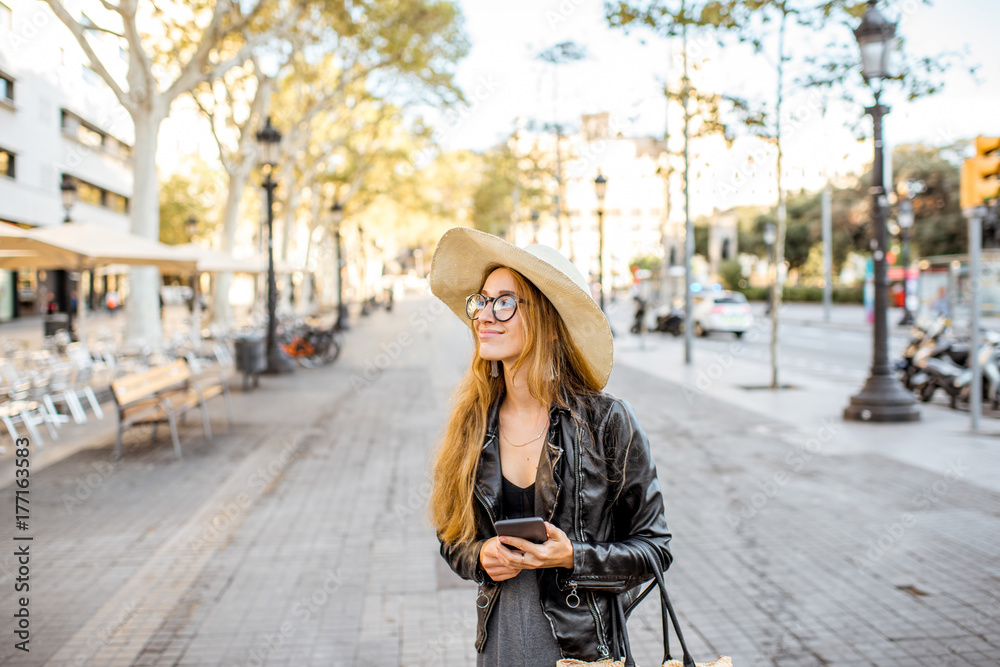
x=162, y=394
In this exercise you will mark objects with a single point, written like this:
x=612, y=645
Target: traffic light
x=981, y=174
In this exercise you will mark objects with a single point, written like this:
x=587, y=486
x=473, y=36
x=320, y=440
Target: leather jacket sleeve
x=636, y=507
x=464, y=560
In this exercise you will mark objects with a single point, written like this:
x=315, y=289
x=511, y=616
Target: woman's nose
x=486, y=314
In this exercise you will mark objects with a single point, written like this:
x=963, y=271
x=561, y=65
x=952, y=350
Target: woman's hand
x=498, y=561
x=504, y=557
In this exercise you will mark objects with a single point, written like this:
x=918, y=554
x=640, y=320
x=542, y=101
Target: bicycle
x=312, y=346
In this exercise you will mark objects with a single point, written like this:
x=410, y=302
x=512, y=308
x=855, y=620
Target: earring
x=494, y=371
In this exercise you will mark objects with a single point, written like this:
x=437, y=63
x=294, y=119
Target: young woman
x=532, y=434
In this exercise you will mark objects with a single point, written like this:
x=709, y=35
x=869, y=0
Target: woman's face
x=500, y=341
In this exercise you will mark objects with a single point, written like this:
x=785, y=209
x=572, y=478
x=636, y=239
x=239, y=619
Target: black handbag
x=620, y=613
x=669, y=618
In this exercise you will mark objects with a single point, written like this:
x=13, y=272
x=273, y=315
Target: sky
x=624, y=74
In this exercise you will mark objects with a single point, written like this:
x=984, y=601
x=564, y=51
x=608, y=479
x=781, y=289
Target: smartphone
x=529, y=528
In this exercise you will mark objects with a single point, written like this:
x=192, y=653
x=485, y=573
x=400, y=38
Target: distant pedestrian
x=533, y=435
x=941, y=306
x=112, y=302
x=51, y=307
x=73, y=304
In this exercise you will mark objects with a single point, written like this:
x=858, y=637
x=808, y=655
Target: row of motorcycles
x=934, y=359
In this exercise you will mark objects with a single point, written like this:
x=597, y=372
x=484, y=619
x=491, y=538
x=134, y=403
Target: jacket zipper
x=598, y=584
x=491, y=604
x=602, y=644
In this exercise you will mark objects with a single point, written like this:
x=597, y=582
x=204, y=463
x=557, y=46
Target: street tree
x=560, y=55
x=194, y=191
x=340, y=57
x=929, y=177
x=171, y=47
x=514, y=179
x=688, y=20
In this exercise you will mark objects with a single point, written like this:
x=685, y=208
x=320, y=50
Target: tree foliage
x=930, y=177
x=192, y=192
x=513, y=181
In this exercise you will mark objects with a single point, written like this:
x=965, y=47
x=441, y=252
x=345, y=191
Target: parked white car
x=721, y=311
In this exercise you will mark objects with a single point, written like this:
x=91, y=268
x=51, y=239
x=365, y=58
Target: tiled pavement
x=298, y=537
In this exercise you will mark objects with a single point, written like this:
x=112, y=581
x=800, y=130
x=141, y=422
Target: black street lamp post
x=883, y=398
x=600, y=186
x=69, y=192
x=905, y=218
x=338, y=216
x=270, y=141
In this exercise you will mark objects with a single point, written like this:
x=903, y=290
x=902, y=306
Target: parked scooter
x=920, y=333
x=948, y=373
x=670, y=320
x=925, y=339
x=936, y=344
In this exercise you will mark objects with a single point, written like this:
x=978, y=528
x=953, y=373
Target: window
x=115, y=202
x=68, y=122
x=6, y=88
x=6, y=163
x=96, y=196
x=89, y=135
x=6, y=17
x=88, y=194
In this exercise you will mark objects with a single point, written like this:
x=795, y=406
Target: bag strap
x=669, y=616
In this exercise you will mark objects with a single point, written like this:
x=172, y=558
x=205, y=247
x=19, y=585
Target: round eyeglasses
x=504, y=306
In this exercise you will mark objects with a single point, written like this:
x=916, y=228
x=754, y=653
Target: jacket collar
x=489, y=476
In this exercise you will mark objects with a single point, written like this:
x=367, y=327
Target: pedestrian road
x=299, y=536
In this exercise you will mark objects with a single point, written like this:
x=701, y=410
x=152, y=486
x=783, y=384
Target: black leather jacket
x=597, y=482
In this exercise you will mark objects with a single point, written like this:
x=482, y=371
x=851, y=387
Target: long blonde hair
x=554, y=369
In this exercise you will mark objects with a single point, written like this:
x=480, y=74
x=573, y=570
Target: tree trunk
x=291, y=197
x=779, y=243
x=238, y=170
x=306, y=305
x=142, y=310
x=222, y=311
x=688, y=224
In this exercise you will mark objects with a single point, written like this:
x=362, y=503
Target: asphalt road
x=835, y=354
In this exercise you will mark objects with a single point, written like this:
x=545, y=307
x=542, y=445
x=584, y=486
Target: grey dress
x=518, y=634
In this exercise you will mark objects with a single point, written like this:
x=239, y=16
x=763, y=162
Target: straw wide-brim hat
x=462, y=256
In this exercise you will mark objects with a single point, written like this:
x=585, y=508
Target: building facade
x=57, y=117
x=634, y=208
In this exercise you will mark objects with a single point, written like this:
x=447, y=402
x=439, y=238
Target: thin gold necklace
x=504, y=435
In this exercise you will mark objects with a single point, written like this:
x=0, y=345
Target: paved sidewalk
x=298, y=536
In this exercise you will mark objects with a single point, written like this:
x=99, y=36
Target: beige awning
x=217, y=261
x=13, y=240
x=80, y=245
x=281, y=266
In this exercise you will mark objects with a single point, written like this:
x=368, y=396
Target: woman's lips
x=488, y=333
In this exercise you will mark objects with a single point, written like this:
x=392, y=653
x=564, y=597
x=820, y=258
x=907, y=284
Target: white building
x=57, y=117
